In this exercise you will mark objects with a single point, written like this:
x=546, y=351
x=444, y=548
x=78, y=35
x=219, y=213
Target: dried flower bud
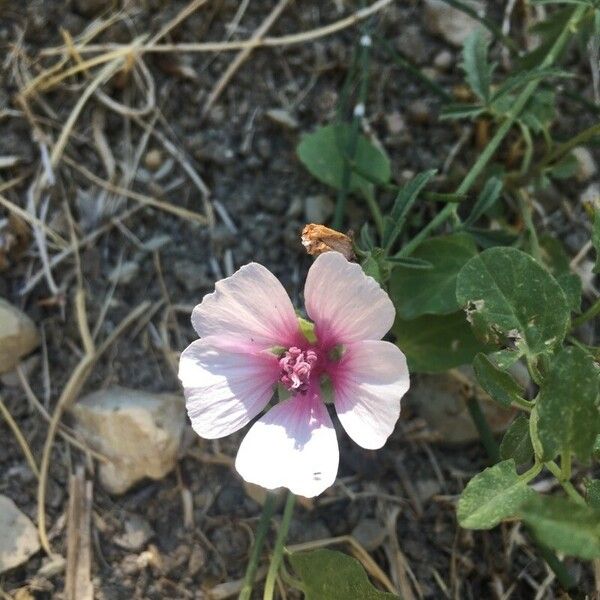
x=318, y=239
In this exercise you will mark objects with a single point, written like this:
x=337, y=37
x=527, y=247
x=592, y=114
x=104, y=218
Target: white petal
x=292, y=446
x=250, y=305
x=224, y=389
x=345, y=304
x=368, y=384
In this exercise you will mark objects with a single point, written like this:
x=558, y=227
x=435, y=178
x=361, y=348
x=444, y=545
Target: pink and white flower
x=251, y=342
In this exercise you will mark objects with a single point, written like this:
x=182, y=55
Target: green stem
x=590, y=313
x=566, y=484
x=562, y=573
x=536, y=251
x=261, y=534
x=288, y=511
x=375, y=210
x=483, y=428
x=363, y=66
x=581, y=138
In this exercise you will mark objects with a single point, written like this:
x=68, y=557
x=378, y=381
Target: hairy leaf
x=491, y=496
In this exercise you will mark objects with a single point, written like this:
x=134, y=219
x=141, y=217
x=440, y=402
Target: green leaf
x=522, y=78
x=558, y=263
x=489, y=238
x=460, y=111
x=436, y=343
x=331, y=575
x=508, y=295
x=592, y=488
x=476, y=66
x=567, y=405
x=323, y=153
x=433, y=291
x=487, y=198
x=563, y=525
x=491, y=496
x=375, y=264
x=516, y=443
x=497, y=383
x=565, y=168
x=540, y=111
x=409, y=262
x=407, y=196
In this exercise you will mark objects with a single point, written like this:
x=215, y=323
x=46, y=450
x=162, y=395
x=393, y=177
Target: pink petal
x=368, y=384
x=251, y=305
x=293, y=446
x=225, y=389
x=345, y=304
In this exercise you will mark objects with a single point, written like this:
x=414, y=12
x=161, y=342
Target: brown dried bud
x=318, y=239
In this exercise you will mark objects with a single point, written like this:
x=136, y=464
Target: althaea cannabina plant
x=251, y=342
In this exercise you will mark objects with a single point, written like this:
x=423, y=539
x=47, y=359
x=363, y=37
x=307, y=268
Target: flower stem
x=590, y=313
x=483, y=428
x=261, y=534
x=566, y=484
x=288, y=511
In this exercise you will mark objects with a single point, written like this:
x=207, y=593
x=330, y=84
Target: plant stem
x=375, y=210
x=590, y=313
x=483, y=428
x=288, y=511
x=566, y=484
x=363, y=67
x=489, y=151
x=562, y=573
x=261, y=534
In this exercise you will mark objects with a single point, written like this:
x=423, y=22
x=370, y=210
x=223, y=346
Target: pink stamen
x=296, y=366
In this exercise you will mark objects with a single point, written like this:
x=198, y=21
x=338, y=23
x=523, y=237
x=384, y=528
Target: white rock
x=18, y=536
x=586, y=165
x=450, y=23
x=139, y=432
x=18, y=336
x=591, y=195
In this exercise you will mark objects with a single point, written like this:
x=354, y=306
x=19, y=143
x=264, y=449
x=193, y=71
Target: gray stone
x=369, y=534
x=18, y=536
x=18, y=336
x=450, y=23
x=137, y=533
x=282, y=117
x=317, y=209
x=139, y=432
x=411, y=43
x=192, y=275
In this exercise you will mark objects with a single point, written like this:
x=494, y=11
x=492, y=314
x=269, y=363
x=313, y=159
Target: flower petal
x=225, y=389
x=294, y=446
x=250, y=305
x=368, y=384
x=345, y=304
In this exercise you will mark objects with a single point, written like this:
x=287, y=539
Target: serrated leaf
x=516, y=443
x=491, y=496
x=323, y=153
x=497, y=383
x=475, y=63
x=563, y=525
x=460, y=111
x=415, y=293
x=406, y=197
x=436, y=343
x=331, y=575
x=508, y=295
x=567, y=405
x=522, y=78
x=592, y=488
x=540, y=111
x=487, y=198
